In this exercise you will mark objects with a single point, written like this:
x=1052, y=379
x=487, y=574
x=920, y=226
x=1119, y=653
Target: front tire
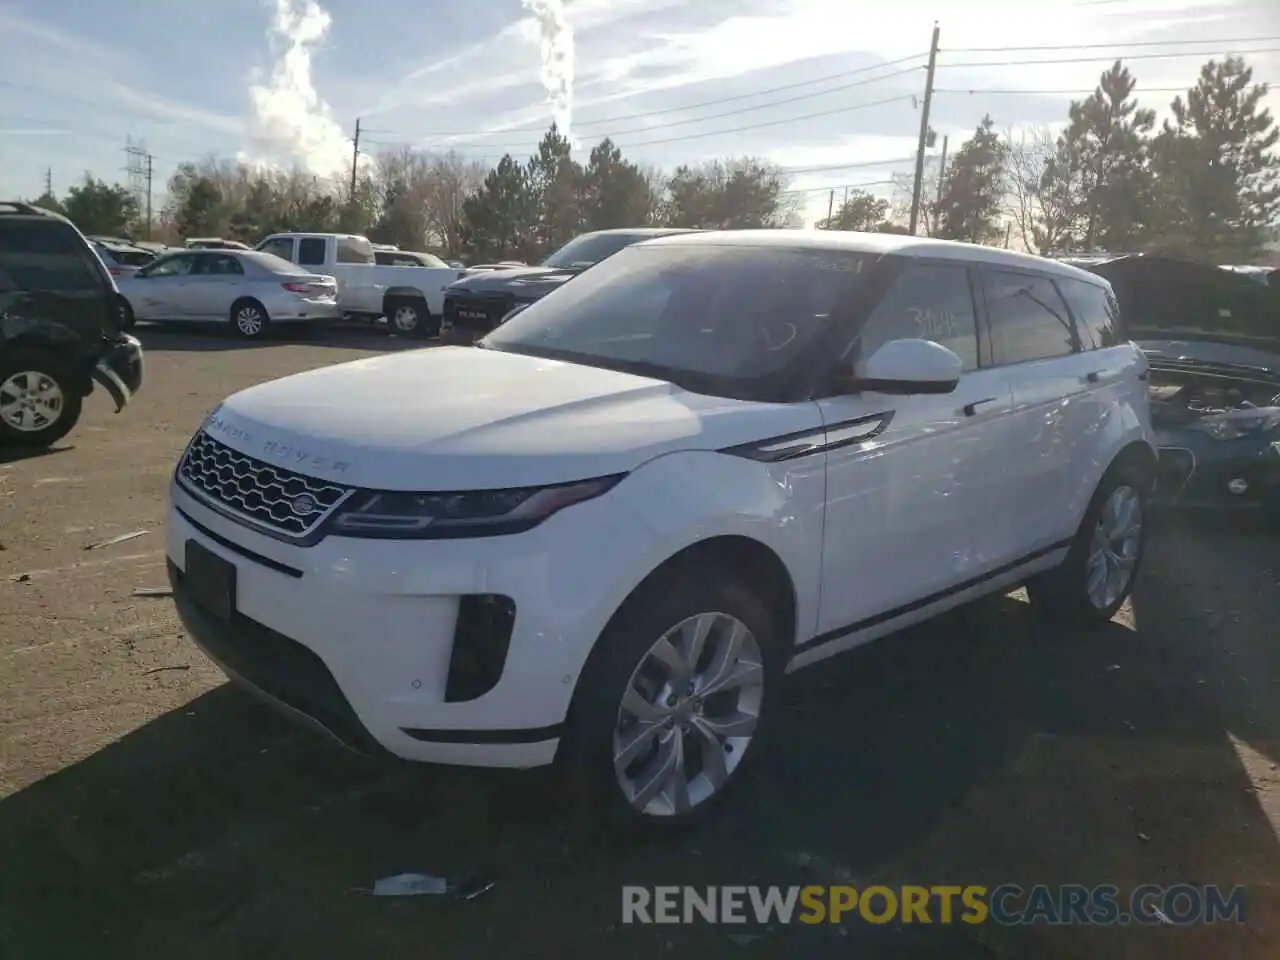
x=1095, y=579
x=38, y=403
x=249, y=320
x=672, y=701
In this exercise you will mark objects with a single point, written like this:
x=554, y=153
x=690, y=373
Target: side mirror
x=909, y=367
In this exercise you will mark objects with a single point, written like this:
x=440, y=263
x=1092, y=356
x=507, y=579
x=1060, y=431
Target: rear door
x=1034, y=341
x=216, y=281
x=48, y=274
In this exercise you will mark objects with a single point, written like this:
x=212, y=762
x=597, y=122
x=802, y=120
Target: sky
x=829, y=89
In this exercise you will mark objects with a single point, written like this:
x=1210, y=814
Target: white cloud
x=289, y=116
x=556, y=48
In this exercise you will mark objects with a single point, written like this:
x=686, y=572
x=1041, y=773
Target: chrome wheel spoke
x=678, y=671
x=711, y=751
x=665, y=776
x=740, y=673
x=737, y=724
x=641, y=738
x=635, y=705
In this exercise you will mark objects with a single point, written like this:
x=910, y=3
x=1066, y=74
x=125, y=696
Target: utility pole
x=149, y=160
x=924, y=132
x=48, y=182
x=355, y=159
x=831, y=202
x=942, y=168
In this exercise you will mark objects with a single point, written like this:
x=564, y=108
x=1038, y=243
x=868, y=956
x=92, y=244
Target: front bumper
x=461, y=652
x=477, y=313
x=1203, y=474
x=119, y=371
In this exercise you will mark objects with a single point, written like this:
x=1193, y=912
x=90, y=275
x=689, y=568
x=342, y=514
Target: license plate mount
x=210, y=581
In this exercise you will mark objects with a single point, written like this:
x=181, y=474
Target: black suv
x=60, y=332
x=476, y=304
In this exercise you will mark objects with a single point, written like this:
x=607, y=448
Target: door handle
x=1093, y=376
x=971, y=409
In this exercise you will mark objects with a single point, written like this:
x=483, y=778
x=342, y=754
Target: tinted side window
x=1028, y=319
x=281, y=247
x=350, y=250
x=44, y=256
x=311, y=251
x=178, y=266
x=930, y=302
x=224, y=266
x=1092, y=306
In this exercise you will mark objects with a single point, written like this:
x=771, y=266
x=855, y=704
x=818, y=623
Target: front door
x=914, y=500
x=159, y=291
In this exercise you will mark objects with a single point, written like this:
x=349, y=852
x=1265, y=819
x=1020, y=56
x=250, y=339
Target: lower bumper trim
x=527, y=735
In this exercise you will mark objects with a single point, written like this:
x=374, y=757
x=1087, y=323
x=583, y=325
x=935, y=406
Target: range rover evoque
x=707, y=461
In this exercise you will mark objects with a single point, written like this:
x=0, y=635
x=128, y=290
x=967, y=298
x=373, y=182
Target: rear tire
x=1100, y=569
x=631, y=700
x=249, y=320
x=39, y=404
x=409, y=317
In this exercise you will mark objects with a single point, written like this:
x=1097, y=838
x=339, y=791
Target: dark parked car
x=476, y=304
x=1212, y=338
x=59, y=328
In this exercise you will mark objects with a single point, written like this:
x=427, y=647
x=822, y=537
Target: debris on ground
x=124, y=537
x=429, y=885
x=410, y=885
x=153, y=592
x=180, y=666
x=21, y=578
x=1144, y=838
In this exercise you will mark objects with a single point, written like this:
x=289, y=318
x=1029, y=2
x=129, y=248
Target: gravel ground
x=147, y=809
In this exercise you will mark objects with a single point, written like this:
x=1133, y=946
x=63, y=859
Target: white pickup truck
x=411, y=298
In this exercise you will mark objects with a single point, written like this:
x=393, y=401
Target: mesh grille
x=263, y=494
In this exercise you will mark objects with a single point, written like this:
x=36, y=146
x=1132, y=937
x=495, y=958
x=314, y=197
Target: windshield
x=705, y=317
x=591, y=248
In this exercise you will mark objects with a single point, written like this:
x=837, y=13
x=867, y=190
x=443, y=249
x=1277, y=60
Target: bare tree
x=1041, y=201
x=447, y=181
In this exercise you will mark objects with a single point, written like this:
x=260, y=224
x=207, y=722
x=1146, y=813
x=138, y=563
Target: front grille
x=492, y=307
x=257, y=492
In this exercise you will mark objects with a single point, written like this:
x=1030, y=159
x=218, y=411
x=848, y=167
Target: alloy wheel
x=1113, y=551
x=688, y=714
x=249, y=321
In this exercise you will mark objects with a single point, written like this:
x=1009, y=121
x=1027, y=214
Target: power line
x=832, y=167
x=718, y=116
x=842, y=75
x=1112, y=46
x=1061, y=93
x=1141, y=56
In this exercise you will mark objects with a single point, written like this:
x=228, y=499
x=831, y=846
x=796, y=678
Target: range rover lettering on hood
x=285, y=454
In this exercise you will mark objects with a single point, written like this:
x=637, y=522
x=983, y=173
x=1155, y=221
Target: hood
x=525, y=283
x=460, y=418
x=1213, y=353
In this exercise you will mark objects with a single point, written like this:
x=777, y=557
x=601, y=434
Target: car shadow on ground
x=982, y=748
x=204, y=338
x=16, y=454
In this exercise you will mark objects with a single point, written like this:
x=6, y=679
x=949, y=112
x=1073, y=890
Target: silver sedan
x=246, y=289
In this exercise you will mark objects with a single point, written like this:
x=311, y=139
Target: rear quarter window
x=1095, y=310
x=38, y=255
x=353, y=250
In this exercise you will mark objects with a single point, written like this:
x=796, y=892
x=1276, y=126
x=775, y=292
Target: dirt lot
x=149, y=810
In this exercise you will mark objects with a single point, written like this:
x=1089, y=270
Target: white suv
x=608, y=531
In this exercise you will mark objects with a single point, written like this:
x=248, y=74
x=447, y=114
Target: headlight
x=1240, y=423
x=478, y=513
